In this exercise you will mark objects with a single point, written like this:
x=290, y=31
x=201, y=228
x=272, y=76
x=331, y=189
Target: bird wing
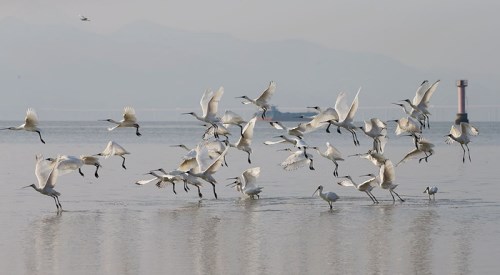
x=412, y=154
x=469, y=129
x=207, y=96
x=246, y=138
x=333, y=152
x=43, y=168
x=217, y=163
x=346, y=182
x=319, y=119
x=213, y=103
x=428, y=94
x=31, y=119
x=454, y=131
x=54, y=174
x=354, y=107
x=129, y=114
x=419, y=94
x=387, y=173
x=142, y=182
x=371, y=182
x=250, y=176
x=294, y=161
x=278, y=125
x=69, y=164
x=231, y=117
x=268, y=93
x=341, y=106
x=268, y=142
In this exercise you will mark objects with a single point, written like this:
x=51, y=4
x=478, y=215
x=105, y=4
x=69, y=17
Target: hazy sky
x=422, y=33
x=457, y=35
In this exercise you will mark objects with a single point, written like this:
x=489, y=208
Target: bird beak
x=315, y=192
x=232, y=183
x=25, y=186
x=240, y=97
x=232, y=178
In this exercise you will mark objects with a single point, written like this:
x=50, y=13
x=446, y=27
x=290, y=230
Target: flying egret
x=423, y=147
x=84, y=18
x=299, y=143
x=129, y=120
x=71, y=163
x=462, y=136
x=209, y=106
x=366, y=186
x=219, y=130
x=346, y=115
x=114, y=149
x=420, y=102
x=406, y=125
x=30, y=124
x=297, y=131
x=377, y=159
x=431, y=191
x=387, y=176
x=329, y=197
x=246, y=182
x=418, y=116
x=161, y=180
x=263, y=100
x=207, y=166
x=377, y=130
x=47, y=173
x=245, y=141
x=297, y=159
x=332, y=154
x=232, y=118
x=320, y=119
x=185, y=177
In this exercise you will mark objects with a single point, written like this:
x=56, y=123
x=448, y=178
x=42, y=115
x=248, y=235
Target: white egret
x=299, y=143
x=161, y=180
x=129, y=120
x=47, y=173
x=244, y=143
x=332, y=154
x=377, y=159
x=263, y=100
x=30, y=124
x=232, y=118
x=431, y=191
x=186, y=178
x=422, y=98
x=329, y=197
x=297, y=160
x=366, y=186
x=462, y=136
x=346, y=115
x=320, y=119
x=207, y=166
x=418, y=116
x=209, y=106
x=423, y=147
x=246, y=182
x=219, y=130
x=114, y=149
x=297, y=131
x=377, y=130
x=387, y=176
x=406, y=125
x=71, y=163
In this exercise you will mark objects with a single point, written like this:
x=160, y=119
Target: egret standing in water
x=387, y=176
x=246, y=182
x=129, y=120
x=46, y=173
x=30, y=124
x=329, y=197
x=431, y=191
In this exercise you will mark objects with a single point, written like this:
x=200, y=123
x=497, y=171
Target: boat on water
x=274, y=114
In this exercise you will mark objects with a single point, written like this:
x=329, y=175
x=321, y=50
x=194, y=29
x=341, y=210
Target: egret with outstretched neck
x=30, y=124
x=129, y=120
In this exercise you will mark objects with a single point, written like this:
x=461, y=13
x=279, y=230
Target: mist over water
x=112, y=226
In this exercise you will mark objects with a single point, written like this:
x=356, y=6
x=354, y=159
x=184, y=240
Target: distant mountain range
x=73, y=73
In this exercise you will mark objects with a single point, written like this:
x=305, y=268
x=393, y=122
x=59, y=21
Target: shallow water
x=112, y=226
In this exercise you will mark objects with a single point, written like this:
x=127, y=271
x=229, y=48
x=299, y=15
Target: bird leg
x=199, y=192
x=80, y=171
x=392, y=191
x=40, y=135
x=215, y=194
x=123, y=162
x=56, y=202
x=137, y=131
x=264, y=109
x=426, y=157
x=468, y=151
x=311, y=164
x=331, y=205
x=186, y=188
x=173, y=187
x=463, y=157
x=328, y=128
x=368, y=193
x=335, y=172
x=96, y=169
x=249, y=161
x=376, y=201
x=241, y=129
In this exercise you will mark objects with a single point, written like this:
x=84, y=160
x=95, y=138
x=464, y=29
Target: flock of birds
x=200, y=164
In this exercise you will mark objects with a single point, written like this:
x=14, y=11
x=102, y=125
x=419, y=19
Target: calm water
x=112, y=226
